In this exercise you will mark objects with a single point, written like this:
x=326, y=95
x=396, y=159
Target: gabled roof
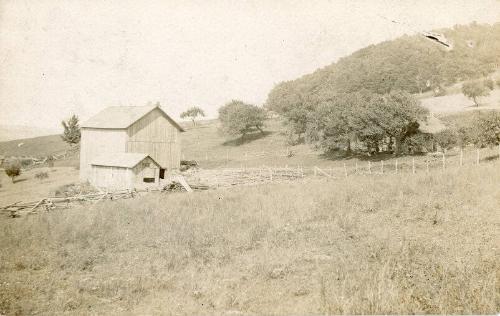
x=432, y=125
x=123, y=116
x=124, y=160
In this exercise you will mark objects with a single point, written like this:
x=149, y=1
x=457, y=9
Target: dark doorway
x=162, y=173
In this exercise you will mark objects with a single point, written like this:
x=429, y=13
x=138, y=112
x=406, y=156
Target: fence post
x=444, y=162
x=461, y=157
x=369, y=167
x=477, y=156
x=413, y=165
x=356, y=170
x=345, y=170
x=396, y=166
x=382, y=166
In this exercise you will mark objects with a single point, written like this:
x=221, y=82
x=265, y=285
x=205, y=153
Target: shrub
x=487, y=129
x=439, y=91
x=42, y=175
x=446, y=139
x=13, y=169
x=416, y=143
x=50, y=161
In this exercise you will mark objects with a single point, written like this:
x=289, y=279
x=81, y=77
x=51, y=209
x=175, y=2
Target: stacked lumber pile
x=51, y=203
x=47, y=204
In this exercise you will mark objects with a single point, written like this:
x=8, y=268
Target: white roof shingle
x=123, y=116
x=124, y=160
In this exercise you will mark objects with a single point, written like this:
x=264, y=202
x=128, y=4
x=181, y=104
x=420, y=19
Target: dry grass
x=27, y=187
x=458, y=103
x=392, y=244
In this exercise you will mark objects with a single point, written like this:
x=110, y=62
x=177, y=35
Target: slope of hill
x=410, y=63
x=12, y=132
x=455, y=103
x=36, y=147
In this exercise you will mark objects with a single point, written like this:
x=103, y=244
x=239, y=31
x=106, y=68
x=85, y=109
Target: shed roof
x=124, y=160
x=123, y=116
x=432, y=125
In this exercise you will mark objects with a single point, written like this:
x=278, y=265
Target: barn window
x=148, y=180
x=162, y=173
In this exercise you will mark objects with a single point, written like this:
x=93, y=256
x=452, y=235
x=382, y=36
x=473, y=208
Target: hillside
x=410, y=63
x=12, y=132
x=37, y=146
x=456, y=103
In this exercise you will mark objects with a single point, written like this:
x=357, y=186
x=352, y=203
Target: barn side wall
x=155, y=135
x=111, y=178
x=96, y=141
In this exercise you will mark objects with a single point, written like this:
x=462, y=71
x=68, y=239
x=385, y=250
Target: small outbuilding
x=119, y=171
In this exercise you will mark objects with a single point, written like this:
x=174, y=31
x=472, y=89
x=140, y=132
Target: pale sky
x=79, y=56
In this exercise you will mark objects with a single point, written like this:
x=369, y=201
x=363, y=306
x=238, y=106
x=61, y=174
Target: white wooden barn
x=119, y=130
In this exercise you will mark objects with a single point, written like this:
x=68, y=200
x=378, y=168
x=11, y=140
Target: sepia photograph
x=252, y=157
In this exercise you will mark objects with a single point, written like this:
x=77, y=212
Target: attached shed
x=131, y=129
x=118, y=171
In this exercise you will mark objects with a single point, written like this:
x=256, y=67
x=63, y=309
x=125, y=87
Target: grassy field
x=457, y=103
x=28, y=188
x=375, y=245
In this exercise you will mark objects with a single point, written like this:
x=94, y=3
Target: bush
x=439, y=91
x=416, y=143
x=42, y=175
x=50, y=161
x=13, y=169
x=446, y=139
